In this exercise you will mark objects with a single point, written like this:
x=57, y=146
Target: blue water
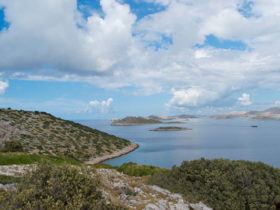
x=233, y=139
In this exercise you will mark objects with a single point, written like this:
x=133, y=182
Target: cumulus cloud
x=191, y=97
x=277, y=103
x=3, y=87
x=49, y=40
x=244, y=100
x=102, y=106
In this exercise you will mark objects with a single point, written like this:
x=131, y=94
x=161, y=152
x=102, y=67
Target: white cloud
x=191, y=97
x=107, y=103
x=94, y=103
x=3, y=87
x=102, y=106
x=114, y=50
x=277, y=103
x=244, y=100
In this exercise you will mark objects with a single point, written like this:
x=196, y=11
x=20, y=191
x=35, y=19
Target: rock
x=200, y=206
x=149, y=197
x=7, y=187
x=151, y=206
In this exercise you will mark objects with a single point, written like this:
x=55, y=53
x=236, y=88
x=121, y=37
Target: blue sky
x=91, y=59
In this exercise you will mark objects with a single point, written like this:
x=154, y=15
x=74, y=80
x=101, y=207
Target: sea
x=233, y=139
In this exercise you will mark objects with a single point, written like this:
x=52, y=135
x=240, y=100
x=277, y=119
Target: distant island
x=165, y=117
x=128, y=121
x=162, y=117
x=170, y=129
x=152, y=119
x=268, y=114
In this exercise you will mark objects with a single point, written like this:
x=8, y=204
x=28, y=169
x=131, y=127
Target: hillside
x=42, y=133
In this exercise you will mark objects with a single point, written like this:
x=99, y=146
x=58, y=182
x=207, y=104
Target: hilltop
x=42, y=133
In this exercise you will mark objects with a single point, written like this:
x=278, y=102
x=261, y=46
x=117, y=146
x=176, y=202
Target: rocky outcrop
x=133, y=193
x=123, y=190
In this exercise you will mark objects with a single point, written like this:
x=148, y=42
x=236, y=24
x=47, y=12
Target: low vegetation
x=12, y=146
x=220, y=184
x=41, y=133
x=224, y=184
x=55, y=187
x=132, y=169
x=9, y=179
x=25, y=158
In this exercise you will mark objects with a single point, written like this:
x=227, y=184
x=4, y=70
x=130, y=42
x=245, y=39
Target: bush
x=7, y=158
x=8, y=179
x=12, y=146
x=133, y=169
x=224, y=184
x=56, y=187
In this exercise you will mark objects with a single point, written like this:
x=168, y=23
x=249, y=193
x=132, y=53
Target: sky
x=91, y=59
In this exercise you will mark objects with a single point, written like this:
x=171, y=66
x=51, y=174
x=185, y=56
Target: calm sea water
x=233, y=139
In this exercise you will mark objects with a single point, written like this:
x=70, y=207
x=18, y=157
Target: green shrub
x=56, y=187
x=224, y=184
x=12, y=146
x=133, y=169
x=8, y=158
x=8, y=179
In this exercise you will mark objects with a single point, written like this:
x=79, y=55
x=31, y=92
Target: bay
x=232, y=139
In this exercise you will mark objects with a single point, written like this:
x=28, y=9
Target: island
x=268, y=114
x=170, y=128
x=128, y=121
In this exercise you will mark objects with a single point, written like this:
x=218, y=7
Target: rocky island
x=170, y=129
x=130, y=121
x=127, y=121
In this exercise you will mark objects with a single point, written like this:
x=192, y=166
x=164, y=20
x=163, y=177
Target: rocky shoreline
x=115, y=154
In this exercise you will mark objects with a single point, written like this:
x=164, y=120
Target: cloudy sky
x=111, y=58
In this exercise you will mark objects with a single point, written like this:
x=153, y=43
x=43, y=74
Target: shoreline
x=115, y=154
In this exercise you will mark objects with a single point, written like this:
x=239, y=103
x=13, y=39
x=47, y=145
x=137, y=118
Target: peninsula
x=42, y=133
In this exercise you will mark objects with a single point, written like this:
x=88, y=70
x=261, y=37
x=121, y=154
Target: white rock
x=200, y=206
x=151, y=206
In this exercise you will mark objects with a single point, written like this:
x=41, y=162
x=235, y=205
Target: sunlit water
x=233, y=139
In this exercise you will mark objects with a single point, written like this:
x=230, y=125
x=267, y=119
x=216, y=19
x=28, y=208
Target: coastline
x=115, y=154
